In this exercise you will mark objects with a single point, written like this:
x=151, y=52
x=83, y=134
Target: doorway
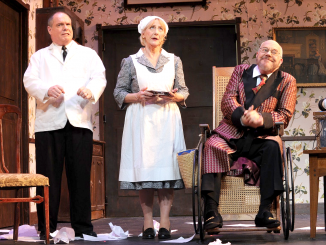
x=200, y=45
x=13, y=63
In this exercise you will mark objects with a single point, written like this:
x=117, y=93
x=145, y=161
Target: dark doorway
x=200, y=45
x=13, y=63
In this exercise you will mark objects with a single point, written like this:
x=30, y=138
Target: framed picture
x=157, y=3
x=304, y=54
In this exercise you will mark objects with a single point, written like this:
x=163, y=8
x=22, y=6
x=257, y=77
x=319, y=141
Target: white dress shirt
x=256, y=73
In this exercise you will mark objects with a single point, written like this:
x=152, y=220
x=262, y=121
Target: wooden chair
x=237, y=200
x=17, y=181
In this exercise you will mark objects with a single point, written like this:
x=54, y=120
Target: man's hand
x=251, y=118
x=85, y=93
x=55, y=91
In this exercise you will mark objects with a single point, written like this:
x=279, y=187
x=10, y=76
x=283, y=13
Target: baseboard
x=304, y=208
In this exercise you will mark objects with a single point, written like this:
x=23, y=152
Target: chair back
x=221, y=77
x=5, y=109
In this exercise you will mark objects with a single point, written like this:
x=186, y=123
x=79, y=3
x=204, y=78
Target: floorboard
x=182, y=227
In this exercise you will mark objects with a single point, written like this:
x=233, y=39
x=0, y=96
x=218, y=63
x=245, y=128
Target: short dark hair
x=50, y=19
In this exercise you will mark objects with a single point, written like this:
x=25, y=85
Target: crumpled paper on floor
x=116, y=234
x=26, y=233
x=219, y=242
x=65, y=235
x=29, y=234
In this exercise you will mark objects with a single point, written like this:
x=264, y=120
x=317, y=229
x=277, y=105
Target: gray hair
x=50, y=19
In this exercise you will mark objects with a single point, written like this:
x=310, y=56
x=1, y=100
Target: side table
x=317, y=168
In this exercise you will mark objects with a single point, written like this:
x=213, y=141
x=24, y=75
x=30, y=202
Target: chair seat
x=14, y=180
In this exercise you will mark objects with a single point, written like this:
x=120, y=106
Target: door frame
x=23, y=10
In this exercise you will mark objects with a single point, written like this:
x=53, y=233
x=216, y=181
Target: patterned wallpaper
x=258, y=19
x=34, y=4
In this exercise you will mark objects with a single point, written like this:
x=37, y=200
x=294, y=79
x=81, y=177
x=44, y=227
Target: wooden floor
x=182, y=227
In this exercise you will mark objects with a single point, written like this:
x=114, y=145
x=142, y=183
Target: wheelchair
x=238, y=201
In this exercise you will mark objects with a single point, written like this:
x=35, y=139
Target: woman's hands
x=144, y=96
x=174, y=96
x=141, y=96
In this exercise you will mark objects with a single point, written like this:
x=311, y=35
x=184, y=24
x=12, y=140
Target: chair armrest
x=205, y=131
x=203, y=128
x=279, y=128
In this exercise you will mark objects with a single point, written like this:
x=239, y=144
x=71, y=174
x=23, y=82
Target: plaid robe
x=277, y=102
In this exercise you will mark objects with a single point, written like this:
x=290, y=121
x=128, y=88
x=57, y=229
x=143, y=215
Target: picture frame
x=304, y=54
x=159, y=3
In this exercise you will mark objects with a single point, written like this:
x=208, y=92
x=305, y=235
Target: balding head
x=269, y=57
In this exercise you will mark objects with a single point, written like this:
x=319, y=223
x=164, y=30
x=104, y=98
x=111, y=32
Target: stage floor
x=183, y=227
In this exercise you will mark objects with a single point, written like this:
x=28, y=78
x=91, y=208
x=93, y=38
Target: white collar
x=256, y=72
x=140, y=53
x=58, y=47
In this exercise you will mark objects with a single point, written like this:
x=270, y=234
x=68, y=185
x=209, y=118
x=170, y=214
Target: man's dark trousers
x=72, y=147
x=267, y=155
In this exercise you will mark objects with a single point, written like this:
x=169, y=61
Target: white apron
x=152, y=133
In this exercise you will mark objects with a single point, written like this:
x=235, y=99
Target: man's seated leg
x=269, y=158
x=211, y=187
x=265, y=218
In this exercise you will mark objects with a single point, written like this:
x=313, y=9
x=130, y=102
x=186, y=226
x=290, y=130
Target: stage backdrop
x=258, y=19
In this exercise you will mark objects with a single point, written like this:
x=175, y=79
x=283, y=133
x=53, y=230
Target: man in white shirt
x=65, y=79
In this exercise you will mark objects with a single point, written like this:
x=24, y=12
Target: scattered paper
x=25, y=230
x=308, y=228
x=100, y=237
x=219, y=242
x=53, y=234
x=64, y=235
x=25, y=233
x=116, y=234
x=180, y=240
x=4, y=231
x=156, y=226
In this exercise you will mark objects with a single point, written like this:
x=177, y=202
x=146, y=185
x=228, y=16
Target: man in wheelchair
x=256, y=98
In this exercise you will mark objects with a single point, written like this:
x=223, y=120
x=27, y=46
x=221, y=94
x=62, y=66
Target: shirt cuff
x=46, y=96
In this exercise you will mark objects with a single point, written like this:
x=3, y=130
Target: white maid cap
x=144, y=22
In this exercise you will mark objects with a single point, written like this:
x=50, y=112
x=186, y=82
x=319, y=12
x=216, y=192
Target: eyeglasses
x=266, y=50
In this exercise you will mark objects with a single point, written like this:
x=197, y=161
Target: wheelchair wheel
x=197, y=202
x=286, y=198
x=291, y=183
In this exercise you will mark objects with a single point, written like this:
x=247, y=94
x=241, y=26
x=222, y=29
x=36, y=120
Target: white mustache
x=267, y=58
